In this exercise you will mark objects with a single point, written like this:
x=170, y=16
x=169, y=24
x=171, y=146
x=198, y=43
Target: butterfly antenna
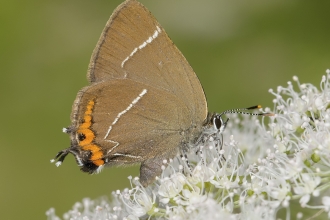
x=241, y=111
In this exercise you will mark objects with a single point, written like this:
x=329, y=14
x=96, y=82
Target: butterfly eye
x=217, y=122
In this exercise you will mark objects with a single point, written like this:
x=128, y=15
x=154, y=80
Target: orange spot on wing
x=92, y=147
x=84, y=128
x=87, y=143
x=87, y=122
x=97, y=155
x=89, y=136
x=98, y=162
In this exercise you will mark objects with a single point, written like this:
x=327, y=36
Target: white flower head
x=256, y=167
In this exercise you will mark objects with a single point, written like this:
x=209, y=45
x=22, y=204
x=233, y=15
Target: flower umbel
x=255, y=171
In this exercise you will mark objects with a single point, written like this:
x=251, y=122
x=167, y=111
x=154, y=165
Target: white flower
x=171, y=187
x=137, y=201
x=259, y=167
x=306, y=187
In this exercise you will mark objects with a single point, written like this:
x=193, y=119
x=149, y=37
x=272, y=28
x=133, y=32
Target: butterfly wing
x=144, y=100
x=134, y=45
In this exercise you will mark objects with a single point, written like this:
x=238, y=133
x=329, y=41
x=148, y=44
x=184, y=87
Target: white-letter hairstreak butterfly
x=144, y=102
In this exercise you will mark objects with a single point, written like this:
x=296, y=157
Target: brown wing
x=134, y=45
x=133, y=122
x=144, y=99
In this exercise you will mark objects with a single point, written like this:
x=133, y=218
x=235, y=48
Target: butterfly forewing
x=134, y=45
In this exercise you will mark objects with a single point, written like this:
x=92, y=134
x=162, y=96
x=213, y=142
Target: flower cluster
x=260, y=166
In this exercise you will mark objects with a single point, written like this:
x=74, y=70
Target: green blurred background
x=239, y=49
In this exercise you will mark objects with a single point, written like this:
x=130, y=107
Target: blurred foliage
x=238, y=49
